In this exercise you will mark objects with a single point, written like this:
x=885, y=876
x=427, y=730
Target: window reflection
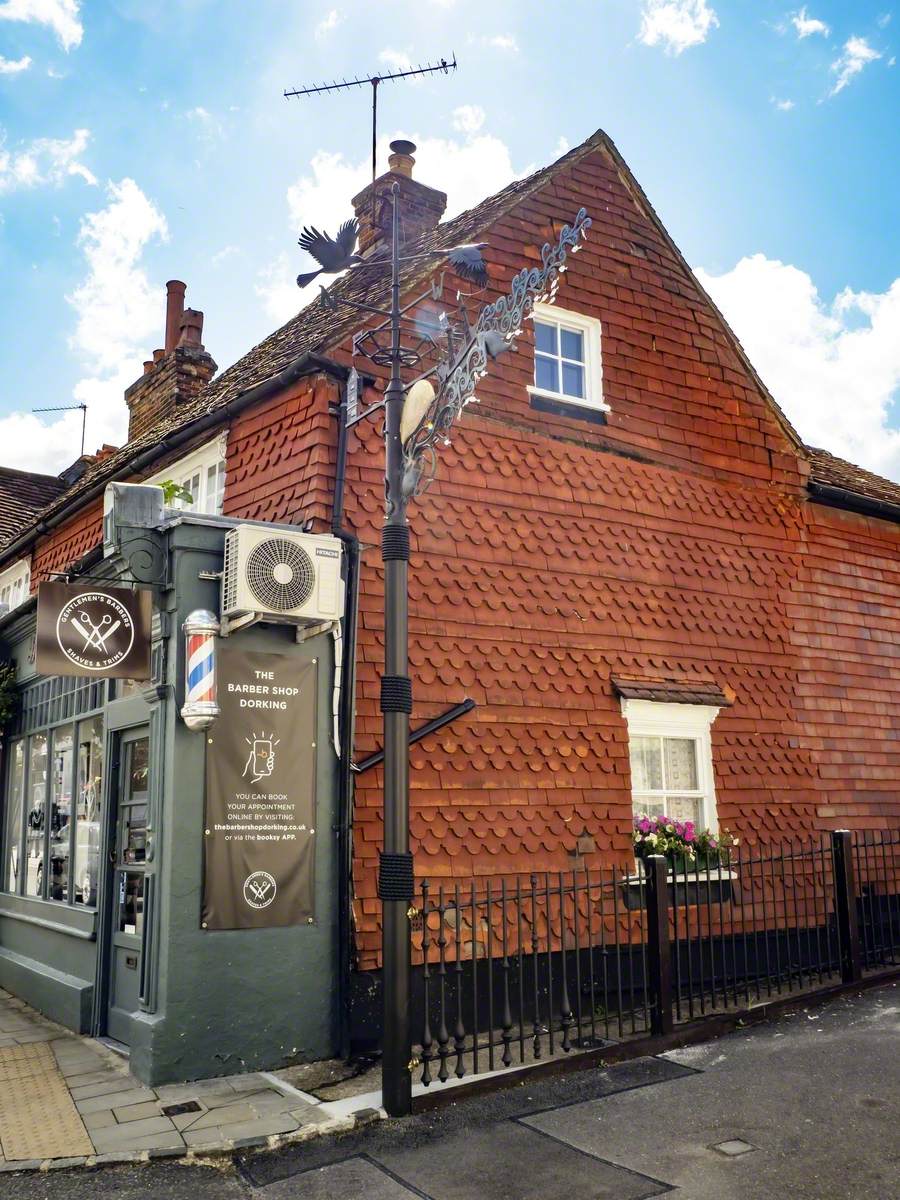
x=15, y=797
x=61, y=781
x=131, y=902
x=87, y=824
x=37, y=805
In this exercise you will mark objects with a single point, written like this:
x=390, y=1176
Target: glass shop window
x=37, y=812
x=52, y=813
x=89, y=795
x=15, y=796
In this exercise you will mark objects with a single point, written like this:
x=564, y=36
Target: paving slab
x=353, y=1179
x=513, y=1162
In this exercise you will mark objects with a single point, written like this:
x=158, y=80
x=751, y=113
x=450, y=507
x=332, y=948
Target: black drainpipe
x=346, y=716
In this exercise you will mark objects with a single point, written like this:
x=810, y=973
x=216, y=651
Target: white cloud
x=14, y=66
x=676, y=24
x=277, y=288
x=397, y=60
x=782, y=105
x=224, y=254
x=884, y=20
x=806, y=25
x=468, y=118
x=856, y=54
x=502, y=41
x=466, y=170
x=328, y=24
x=834, y=368
x=44, y=161
x=118, y=312
x=209, y=127
x=59, y=15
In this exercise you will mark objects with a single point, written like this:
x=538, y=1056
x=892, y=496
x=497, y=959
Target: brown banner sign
x=93, y=630
x=259, y=832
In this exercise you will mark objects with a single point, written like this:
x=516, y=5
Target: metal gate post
x=845, y=905
x=659, y=964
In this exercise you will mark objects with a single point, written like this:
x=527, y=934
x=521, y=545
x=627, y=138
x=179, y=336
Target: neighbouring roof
x=316, y=328
x=835, y=472
x=22, y=496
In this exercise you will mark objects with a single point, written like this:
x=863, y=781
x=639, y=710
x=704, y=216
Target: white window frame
x=590, y=329
x=649, y=718
x=199, y=461
x=15, y=583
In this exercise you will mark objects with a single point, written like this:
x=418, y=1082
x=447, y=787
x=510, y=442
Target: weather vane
x=374, y=80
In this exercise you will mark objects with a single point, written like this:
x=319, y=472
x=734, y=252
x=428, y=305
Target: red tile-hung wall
x=845, y=622
x=550, y=554
x=67, y=543
x=280, y=457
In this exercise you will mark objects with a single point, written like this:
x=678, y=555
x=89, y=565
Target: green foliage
x=9, y=697
x=173, y=491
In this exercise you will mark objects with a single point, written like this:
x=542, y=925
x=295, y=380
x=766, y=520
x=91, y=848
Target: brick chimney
x=421, y=207
x=174, y=374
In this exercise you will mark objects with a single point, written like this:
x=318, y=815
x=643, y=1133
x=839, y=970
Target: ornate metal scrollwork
x=145, y=555
x=497, y=327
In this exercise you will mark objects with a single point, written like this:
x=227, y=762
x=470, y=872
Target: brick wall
x=172, y=381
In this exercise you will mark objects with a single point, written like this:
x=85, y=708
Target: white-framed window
x=670, y=749
x=567, y=365
x=15, y=584
x=202, y=474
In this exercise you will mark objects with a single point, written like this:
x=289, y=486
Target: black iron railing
x=516, y=969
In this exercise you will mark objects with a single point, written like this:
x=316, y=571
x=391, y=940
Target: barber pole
x=200, y=631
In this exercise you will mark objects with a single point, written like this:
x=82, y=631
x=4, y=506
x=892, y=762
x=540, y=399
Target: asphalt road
x=812, y=1103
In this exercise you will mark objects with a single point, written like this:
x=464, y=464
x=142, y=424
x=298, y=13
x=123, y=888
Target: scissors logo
x=95, y=631
x=259, y=889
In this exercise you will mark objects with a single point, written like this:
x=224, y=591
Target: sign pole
x=395, y=877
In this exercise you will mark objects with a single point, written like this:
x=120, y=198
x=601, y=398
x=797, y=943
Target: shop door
x=129, y=884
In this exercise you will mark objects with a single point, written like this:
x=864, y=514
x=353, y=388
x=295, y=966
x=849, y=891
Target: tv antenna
x=69, y=408
x=375, y=81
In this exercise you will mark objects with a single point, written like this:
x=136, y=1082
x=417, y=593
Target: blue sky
x=142, y=141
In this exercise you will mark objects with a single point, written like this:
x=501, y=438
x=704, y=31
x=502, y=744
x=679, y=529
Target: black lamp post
x=460, y=348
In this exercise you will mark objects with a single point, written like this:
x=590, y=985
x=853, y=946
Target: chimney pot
x=148, y=366
x=175, y=290
x=191, y=328
x=401, y=160
x=158, y=355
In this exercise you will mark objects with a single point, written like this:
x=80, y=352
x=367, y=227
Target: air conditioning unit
x=282, y=576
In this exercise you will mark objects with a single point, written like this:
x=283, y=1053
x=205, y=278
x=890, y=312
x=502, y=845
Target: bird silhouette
x=467, y=261
x=332, y=254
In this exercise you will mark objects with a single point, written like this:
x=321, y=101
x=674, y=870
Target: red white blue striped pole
x=200, y=708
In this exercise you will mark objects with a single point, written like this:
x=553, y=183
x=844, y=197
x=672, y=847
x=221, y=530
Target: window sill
x=564, y=406
x=72, y=920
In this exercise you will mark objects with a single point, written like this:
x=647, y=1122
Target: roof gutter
x=306, y=364
x=838, y=497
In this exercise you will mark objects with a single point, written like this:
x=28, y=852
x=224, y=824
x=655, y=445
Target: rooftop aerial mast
x=374, y=80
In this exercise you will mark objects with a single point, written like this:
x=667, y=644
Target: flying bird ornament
x=332, y=254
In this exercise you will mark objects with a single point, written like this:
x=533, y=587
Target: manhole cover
x=733, y=1147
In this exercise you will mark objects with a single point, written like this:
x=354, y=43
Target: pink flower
x=644, y=825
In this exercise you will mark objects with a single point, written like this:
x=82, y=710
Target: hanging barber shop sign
x=98, y=632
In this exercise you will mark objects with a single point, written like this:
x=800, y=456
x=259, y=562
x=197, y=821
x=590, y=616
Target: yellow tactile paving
x=38, y=1118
